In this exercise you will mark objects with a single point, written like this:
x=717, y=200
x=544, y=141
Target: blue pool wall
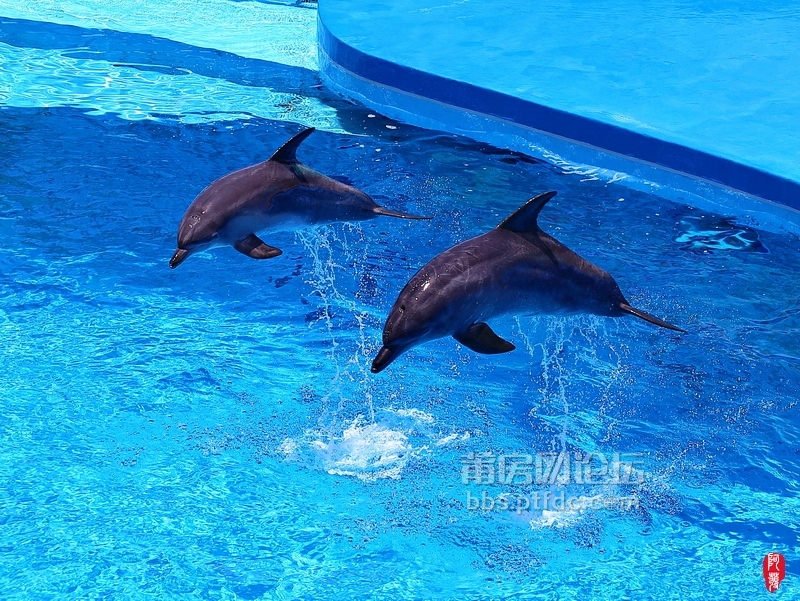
x=474, y=68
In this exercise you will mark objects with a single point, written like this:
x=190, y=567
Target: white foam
x=575, y=510
x=368, y=451
x=288, y=447
x=555, y=519
x=415, y=414
x=454, y=437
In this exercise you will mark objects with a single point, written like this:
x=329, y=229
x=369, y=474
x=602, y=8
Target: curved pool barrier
x=658, y=100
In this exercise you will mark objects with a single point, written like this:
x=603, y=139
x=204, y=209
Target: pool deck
x=669, y=91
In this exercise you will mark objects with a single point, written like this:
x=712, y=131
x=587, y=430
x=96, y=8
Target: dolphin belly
x=263, y=222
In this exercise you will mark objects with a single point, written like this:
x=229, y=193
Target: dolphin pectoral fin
x=254, y=247
x=480, y=338
x=390, y=213
x=647, y=317
x=286, y=153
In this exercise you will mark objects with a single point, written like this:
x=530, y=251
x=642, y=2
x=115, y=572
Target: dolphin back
x=287, y=155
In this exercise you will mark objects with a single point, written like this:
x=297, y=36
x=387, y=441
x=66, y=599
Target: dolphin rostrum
x=515, y=268
x=278, y=194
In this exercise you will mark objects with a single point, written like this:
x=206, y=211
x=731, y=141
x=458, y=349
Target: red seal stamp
x=774, y=569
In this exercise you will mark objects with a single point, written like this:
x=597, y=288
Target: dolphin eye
x=402, y=307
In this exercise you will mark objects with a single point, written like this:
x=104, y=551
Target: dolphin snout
x=651, y=318
x=385, y=356
x=389, y=213
x=178, y=258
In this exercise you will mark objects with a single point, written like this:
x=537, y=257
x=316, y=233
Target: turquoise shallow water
x=213, y=432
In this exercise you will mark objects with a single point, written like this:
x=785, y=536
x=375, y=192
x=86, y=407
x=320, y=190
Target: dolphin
x=515, y=268
x=280, y=193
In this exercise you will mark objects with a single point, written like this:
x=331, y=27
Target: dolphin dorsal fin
x=286, y=153
x=525, y=218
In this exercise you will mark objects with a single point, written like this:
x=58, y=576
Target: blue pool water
x=213, y=432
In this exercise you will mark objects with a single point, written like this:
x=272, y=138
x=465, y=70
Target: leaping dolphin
x=515, y=268
x=278, y=194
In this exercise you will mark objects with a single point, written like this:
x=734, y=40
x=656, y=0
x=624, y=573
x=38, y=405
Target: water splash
x=339, y=256
x=572, y=352
x=366, y=450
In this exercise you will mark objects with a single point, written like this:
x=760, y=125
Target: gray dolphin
x=515, y=268
x=279, y=194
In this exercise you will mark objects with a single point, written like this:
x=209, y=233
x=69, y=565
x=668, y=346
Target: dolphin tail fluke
x=481, y=338
x=647, y=317
x=390, y=213
x=287, y=153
